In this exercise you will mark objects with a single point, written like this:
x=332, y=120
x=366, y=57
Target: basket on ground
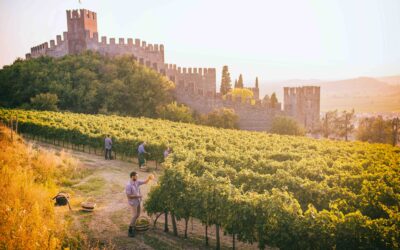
x=88, y=205
x=142, y=223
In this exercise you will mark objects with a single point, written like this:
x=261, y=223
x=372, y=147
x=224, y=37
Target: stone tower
x=81, y=24
x=303, y=104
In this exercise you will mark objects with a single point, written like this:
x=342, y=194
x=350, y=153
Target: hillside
x=30, y=177
x=364, y=94
x=362, y=86
x=392, y=80
x=84, y=176
x=87, y=83
x=275, y=190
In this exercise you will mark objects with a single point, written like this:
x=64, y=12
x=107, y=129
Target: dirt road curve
x=109, y=222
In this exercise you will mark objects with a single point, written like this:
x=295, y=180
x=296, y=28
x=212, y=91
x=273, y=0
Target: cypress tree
x=240, y=82
x=273, y=100
x=225, y=81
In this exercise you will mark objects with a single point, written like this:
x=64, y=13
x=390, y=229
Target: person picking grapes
x=134, y=196
x=107, y=147
x=141, y=152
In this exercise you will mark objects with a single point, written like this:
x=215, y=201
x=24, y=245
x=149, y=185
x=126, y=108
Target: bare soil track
x=108, y=223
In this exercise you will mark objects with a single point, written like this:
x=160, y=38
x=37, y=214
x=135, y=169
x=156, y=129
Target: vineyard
x=282, y=191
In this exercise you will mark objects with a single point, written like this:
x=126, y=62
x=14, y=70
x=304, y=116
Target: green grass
x=116, y=188
x=65, y=182
x=93, y=185
x=118, y=217
x=157, y=244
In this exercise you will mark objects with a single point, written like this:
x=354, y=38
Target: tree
x=175, y=112
x=87, y=83
x=240, y=82
x=375, y=129
x=285, y=125
x=243, y=94
x=221, y=118
x=45, y=101
x=345, y=124
x=327, y=126
x=236, y=84
x=273, y=100
x=395, y=131
x=225, y=81
x=256, y=82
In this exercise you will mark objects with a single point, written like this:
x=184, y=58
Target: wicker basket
x=142, y=223
x=88, y=205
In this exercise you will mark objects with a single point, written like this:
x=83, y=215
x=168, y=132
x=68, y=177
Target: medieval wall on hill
x=195, y=87
x=256, y=117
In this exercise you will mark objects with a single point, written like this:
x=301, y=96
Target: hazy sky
x=275, y=40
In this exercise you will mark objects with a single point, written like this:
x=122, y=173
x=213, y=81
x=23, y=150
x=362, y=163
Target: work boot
x=131, y=232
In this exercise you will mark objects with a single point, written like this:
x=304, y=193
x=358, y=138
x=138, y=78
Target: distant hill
x=393, y=80
x=364, y=94
x=362, y=86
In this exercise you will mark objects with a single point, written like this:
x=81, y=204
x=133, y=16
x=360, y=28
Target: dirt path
x=109, y=222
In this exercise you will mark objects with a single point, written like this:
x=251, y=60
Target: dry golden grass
x=29, y=179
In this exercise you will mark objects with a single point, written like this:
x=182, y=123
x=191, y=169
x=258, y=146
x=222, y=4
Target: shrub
x=44, y=101
x=284, y=125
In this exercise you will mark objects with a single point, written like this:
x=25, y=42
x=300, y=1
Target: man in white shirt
x=134, y=196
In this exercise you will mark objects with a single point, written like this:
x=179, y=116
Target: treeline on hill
x=92, y=83
x=288, y=192
x=86, y=83
x=345, y=126
x=342, y=125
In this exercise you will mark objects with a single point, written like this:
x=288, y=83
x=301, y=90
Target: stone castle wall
x=149, y=55
x=56, y=49
x=195, y=87
x=303, y=104
x=200, y=81
x=256, y=117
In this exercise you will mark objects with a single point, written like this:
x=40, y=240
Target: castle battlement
x=195, y=86
x=57, y=48
x=305, y=90
x=127, y=42
x=81, y=14
x=303, y=104
x=40, y=48
x=172, y=68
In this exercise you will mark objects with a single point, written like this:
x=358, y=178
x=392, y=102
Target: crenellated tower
x=303, y=104
x=82, y=24
x=195, y=87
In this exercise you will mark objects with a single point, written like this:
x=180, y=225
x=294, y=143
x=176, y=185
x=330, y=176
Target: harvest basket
x=88, y=205
x=142, y=224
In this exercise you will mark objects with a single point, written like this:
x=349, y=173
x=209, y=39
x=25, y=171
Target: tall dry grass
x=29, y=179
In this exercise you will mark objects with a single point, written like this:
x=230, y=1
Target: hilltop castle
x=195, y=87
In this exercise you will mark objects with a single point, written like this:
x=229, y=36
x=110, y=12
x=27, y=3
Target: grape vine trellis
x=288, y=192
